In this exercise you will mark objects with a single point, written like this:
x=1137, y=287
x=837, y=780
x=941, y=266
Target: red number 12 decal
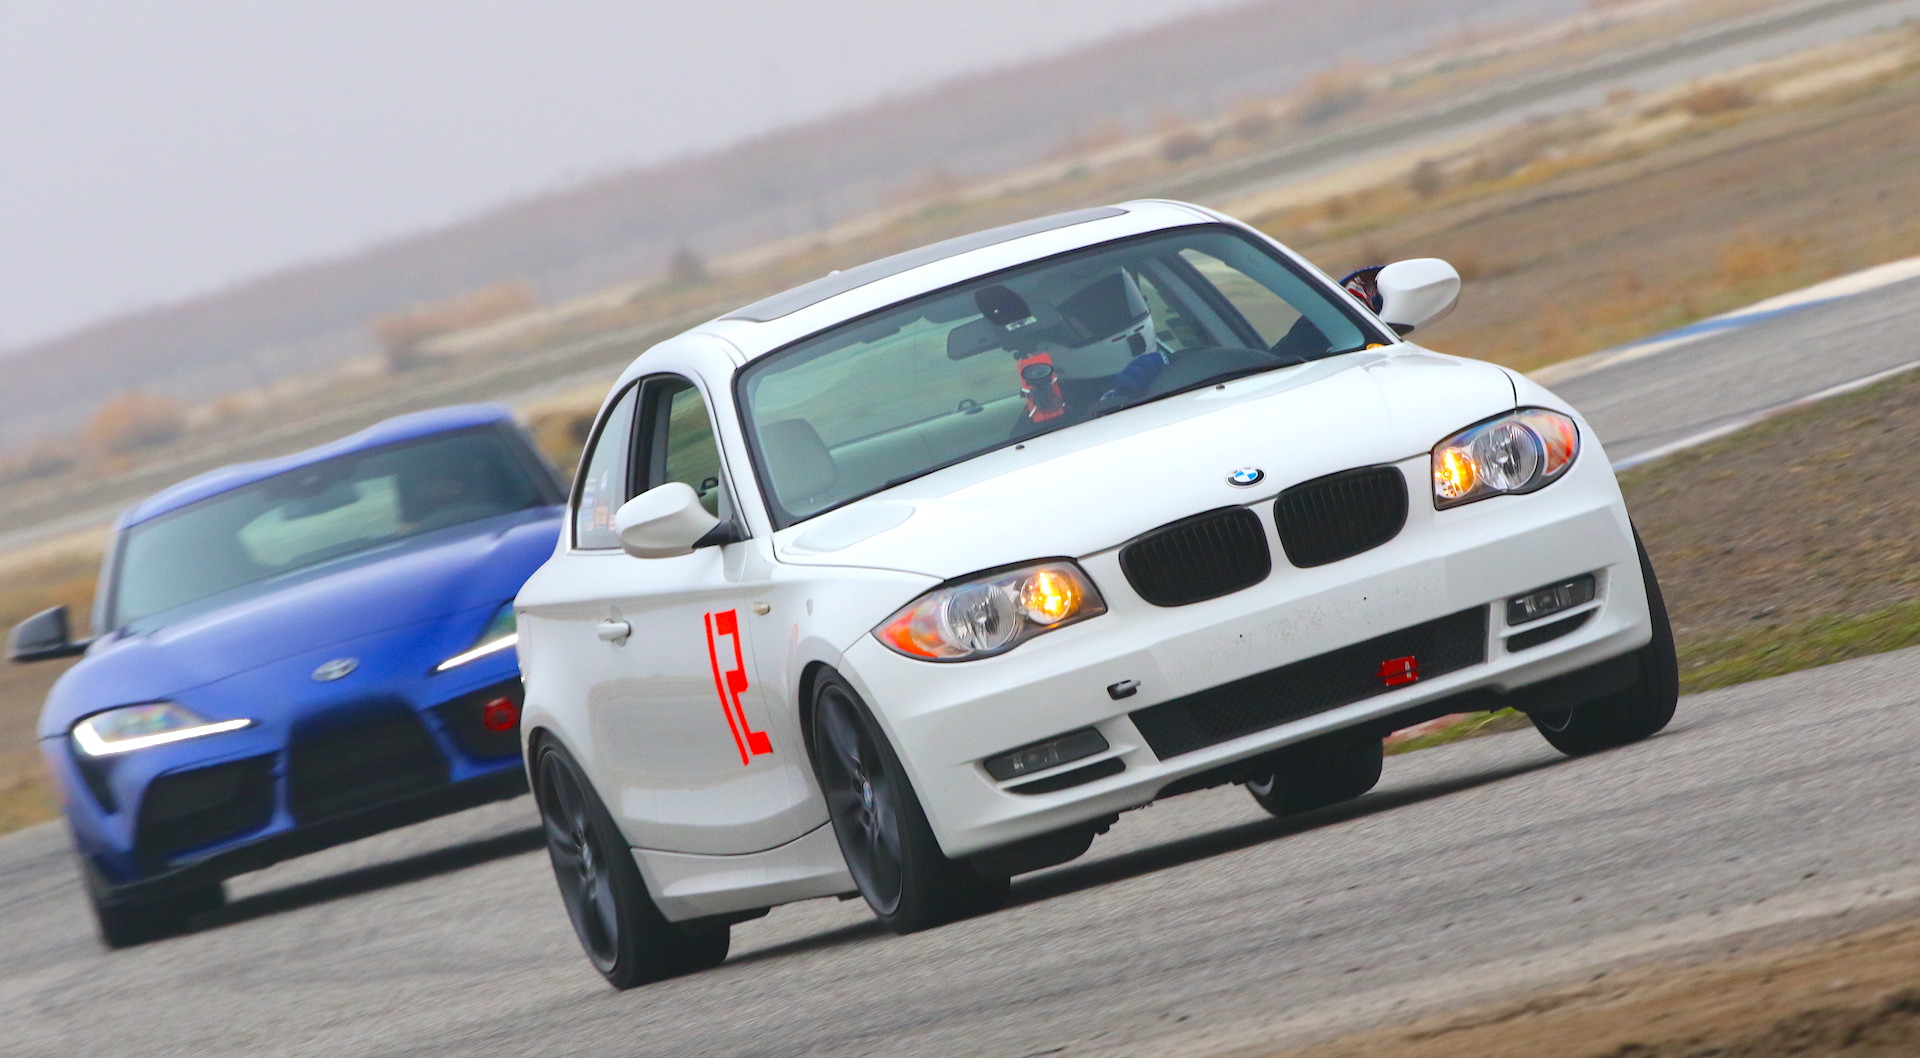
x=730, y=683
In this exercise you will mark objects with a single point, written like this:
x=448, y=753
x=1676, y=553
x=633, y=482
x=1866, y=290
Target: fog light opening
x=1550, y=600
x=1040, y=756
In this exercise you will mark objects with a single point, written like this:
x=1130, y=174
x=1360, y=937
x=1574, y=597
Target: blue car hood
x=477, y=566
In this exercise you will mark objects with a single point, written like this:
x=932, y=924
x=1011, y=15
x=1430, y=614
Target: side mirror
x=43, y=637
x=663, y=522
x=1416, y=293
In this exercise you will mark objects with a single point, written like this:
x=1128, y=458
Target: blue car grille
x=360, y=761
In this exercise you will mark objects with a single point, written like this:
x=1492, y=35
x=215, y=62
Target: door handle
x=613, y=631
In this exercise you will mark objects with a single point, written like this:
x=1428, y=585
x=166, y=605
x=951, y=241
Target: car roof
x=389, y=431
x=776, y=321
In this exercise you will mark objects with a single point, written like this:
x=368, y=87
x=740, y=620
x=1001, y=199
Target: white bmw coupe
x=910, y=579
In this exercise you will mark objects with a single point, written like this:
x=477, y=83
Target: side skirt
x=690, y=885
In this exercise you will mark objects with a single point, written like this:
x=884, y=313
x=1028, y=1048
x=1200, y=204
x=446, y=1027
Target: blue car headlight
x=501, y=633
x=134, y=727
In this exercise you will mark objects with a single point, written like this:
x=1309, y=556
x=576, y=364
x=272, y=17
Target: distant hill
x=625, y=226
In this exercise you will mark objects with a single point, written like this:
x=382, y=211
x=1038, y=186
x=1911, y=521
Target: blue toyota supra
x=295, y=653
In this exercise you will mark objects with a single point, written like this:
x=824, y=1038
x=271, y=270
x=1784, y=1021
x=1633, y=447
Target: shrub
x=1427, y=179
x=561, y=434
x=41, y=461
x=1749, y=256
x=135, y=420
x=1332, y=93
x=1708, y=99
x=402, y=334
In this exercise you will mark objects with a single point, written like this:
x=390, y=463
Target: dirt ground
x=1748, y=206
x=1730, y=561
x=1856, y=996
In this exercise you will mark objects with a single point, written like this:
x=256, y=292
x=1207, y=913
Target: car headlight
x=140, y=726
x=992, y=614
x=1519, y=451
x=501, y=633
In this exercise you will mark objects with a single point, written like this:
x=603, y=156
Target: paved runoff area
x=1720, y=375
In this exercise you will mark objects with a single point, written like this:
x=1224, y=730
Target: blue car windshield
x=318, y=513
x=939, y=379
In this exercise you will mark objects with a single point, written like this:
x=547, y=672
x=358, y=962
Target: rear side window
x=603, y=477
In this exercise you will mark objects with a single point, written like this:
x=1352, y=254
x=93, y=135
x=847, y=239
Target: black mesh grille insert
x=1198, y=558
x=1341, y=515
x=464, y=720
x=1337, y=678
x=184, y=810
x=349, y=766
x=1546, y=633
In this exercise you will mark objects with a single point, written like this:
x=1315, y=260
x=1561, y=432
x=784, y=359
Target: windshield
x=324, y=511
x=942, y=378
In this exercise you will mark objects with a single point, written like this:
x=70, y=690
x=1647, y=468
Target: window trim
x=586, y=460
x=781, y=518
x=647, y=425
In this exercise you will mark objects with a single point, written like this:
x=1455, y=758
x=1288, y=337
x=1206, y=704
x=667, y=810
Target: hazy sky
x=151, y=149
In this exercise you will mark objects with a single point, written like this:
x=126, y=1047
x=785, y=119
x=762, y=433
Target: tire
x=621, y=929
x=1318, y=773
x=1635, y=713
x=125, y=923
x=883, y=832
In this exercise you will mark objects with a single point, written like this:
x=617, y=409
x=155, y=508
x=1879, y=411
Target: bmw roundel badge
x=1246, y=477
x=335, y=669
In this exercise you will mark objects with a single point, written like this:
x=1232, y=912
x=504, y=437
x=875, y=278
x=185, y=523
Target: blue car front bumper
x=388, y=746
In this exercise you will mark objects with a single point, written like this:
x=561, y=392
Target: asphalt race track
x=1474, y=870
x=1637, y=405
x=1197, y=923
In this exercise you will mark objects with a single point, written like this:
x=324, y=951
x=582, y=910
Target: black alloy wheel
x=622, y=931
x=889, y=847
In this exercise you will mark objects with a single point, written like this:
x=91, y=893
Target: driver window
x=1266, y=311
x=604, y=480
x=681, y=444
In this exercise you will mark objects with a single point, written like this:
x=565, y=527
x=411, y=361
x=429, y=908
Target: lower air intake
x=1304, y=688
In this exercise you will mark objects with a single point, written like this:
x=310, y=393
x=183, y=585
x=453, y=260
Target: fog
x=154, y=150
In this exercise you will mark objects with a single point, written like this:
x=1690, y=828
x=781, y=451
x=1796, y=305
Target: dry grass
x=1717, y=98
x=134, y=420
x=402, y=334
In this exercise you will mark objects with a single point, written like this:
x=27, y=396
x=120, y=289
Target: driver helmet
x=1107, y=324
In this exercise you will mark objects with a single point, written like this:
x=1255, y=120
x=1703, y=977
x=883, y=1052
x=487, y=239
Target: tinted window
x=328, y=510
x=603, y=479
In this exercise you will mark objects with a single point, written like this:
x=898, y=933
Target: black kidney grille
x=1304, y=688
x=1341, y=515
x=1198, y=558
x=354, y=765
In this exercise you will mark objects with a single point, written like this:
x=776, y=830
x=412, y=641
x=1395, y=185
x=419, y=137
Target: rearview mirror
x=663, y=522
x=43, y=637
x=1416, y=293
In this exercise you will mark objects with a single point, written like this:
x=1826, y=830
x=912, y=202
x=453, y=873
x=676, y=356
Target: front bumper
x=184, y=814
x=946, y=719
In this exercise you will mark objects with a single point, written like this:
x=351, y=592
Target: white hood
x=1096, y=485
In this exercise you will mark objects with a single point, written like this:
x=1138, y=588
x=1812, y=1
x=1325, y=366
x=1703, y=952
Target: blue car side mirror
x=43, y=637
